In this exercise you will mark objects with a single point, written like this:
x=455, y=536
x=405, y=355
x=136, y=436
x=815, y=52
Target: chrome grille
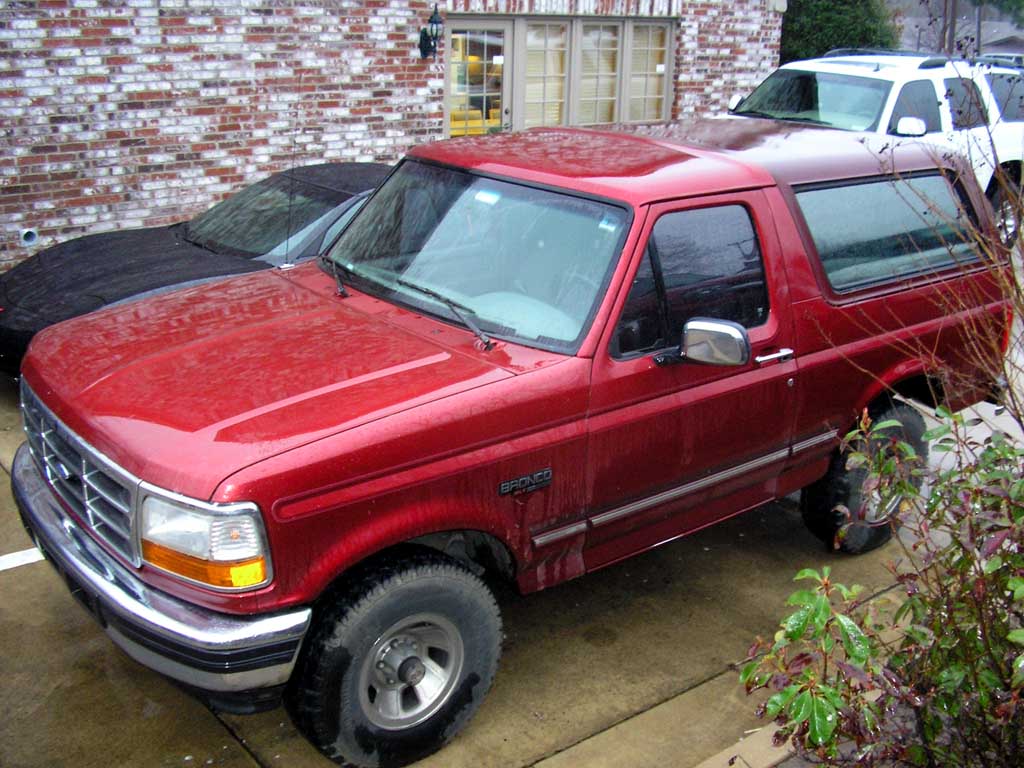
x=100, y=493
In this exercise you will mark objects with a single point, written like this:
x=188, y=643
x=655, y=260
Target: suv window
x=870, y=233
x=703, y=262
x=1009, y=93
x=842, y=101
x=965, y=103
x=917, y=99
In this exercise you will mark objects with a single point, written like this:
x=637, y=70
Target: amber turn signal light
x=240, y=573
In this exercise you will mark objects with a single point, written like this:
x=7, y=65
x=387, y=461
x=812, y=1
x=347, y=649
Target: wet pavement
x=618, y=668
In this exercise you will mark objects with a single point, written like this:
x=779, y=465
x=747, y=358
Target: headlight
x=220, y=546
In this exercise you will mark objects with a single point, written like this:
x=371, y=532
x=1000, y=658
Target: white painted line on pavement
x=20, y=558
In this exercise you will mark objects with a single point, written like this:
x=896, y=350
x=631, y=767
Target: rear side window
x=965, y=103
x=882, y=231
x=917, y=99
x=1009, y=93
x=703, y=262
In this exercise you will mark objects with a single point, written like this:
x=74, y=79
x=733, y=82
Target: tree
x=812, y=27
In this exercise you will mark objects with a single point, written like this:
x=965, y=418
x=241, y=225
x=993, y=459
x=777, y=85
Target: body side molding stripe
x=684, y=490
x=557, y=534
x=811, y=442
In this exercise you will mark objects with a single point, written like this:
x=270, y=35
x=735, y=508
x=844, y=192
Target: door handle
x=782, y=354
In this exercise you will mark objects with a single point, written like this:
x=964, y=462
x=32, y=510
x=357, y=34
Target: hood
x=87, y=273
x=184, y=389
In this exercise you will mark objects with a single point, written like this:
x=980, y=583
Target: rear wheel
x=398, y=665
x=1006, y=213
x=871, y=517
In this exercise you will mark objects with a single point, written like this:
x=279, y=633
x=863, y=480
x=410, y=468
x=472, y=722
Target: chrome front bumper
x=211, y=652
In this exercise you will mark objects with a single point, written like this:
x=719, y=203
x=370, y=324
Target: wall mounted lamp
x=431, y=34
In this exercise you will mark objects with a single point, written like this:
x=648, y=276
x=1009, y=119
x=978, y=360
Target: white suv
x=974, y=109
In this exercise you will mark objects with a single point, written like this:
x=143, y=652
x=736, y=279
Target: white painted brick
x=272, y=119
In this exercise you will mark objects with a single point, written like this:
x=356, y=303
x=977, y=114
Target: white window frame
x=517, y=45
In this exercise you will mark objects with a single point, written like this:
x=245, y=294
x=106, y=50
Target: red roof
x=680, y=159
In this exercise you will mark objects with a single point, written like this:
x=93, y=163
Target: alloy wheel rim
x=410, y=671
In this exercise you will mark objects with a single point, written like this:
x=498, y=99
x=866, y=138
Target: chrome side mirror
x=735, y=101
x=711, y=342
x=911, y=126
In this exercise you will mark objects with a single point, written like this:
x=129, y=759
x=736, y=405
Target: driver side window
x=702, y=262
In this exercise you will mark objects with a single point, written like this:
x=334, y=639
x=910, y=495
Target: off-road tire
x=843, y=487
x=1005, y=214
x=325, y=696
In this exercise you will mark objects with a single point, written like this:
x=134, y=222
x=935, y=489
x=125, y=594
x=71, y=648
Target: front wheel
x=399, y=663
x=871, y=520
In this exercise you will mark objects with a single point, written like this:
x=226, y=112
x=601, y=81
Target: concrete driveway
x=618, y=668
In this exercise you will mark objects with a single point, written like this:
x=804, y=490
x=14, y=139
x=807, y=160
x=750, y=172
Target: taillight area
x=1007, y=331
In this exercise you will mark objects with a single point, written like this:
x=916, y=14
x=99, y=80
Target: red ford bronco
x=530, y=356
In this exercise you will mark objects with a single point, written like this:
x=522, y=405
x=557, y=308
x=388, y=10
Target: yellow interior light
x=235, y=574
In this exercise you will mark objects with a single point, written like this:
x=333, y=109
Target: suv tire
x=843, y=486
x=1006, y=213
x=399, y=662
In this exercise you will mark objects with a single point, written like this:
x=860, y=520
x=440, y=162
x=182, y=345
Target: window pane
x=881, y=231
x=534, y=90
x=605, y=112
x=843, y=101
x=588, y=112
x=640, y=325
x=1009, y=93
x=648, y=72
x=917, y=99
x=476, y=66
x=535, y=62
x=555, y=89
x=609, y=62
x=546, y=66
x=711, y=265
x=965, y=103
x=531, y=267
x=260, y=217
x=639, y=59
x=599, y=76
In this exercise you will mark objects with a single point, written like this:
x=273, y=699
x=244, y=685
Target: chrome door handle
x=782, y=354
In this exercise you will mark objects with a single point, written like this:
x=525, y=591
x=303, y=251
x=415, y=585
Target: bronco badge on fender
x=526, y=483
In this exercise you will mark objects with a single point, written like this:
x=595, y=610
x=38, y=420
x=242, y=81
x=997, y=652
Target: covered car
x=287, y=217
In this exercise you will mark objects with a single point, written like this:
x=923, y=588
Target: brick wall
x=127, y=113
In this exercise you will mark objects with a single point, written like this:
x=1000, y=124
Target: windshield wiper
x=752, y=113
x=785, y=118
x=333, y=266
x=461, y=311
x=184, y=233
x=808, y=120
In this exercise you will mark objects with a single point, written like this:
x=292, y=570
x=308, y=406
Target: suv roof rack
x=932, y=60
x=873, y=52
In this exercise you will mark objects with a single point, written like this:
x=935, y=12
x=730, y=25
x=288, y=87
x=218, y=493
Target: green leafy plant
x=812, y=27
x=938, y=678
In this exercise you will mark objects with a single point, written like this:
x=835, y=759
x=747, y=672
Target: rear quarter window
x=868, y=233
x=1009, y=92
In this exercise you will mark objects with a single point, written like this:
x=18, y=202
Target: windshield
x=841, y=101
x=263, y=217
x=528, y=264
